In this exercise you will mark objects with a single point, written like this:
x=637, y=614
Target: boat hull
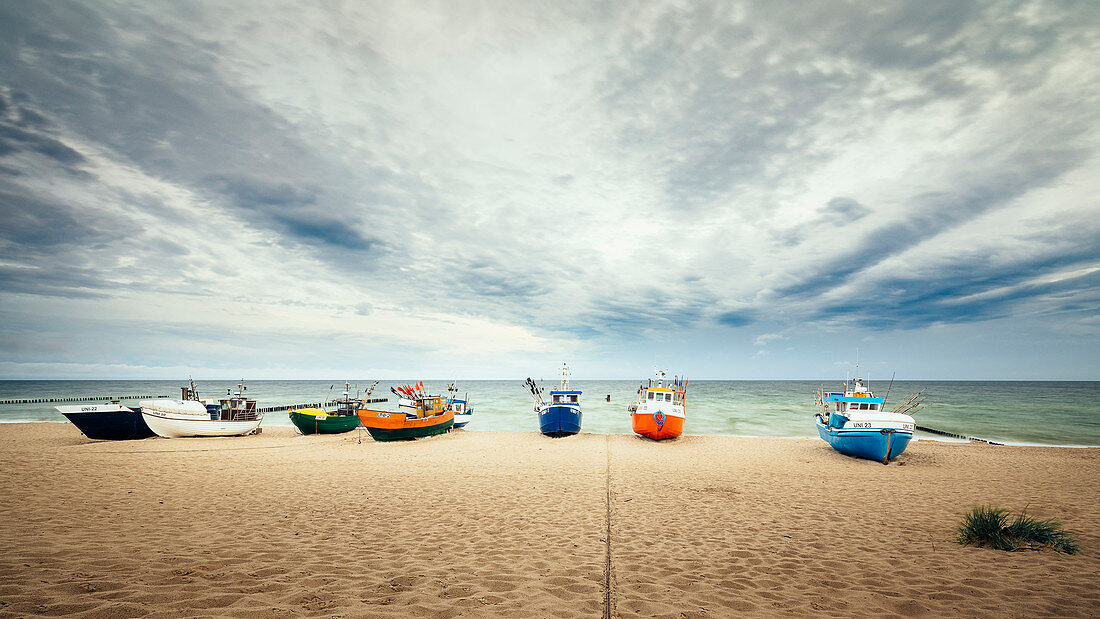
x=395, y=426
x=657, y=426
x=108, y=422
x=170, y=427
x=880, y=444
x=560, y=420
x=462, y=420
x=323, y=424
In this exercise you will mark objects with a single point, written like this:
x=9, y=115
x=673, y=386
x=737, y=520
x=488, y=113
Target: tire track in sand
x=607, y=598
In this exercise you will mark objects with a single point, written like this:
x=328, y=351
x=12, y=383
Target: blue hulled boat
x=854, y=423
x=561, y=414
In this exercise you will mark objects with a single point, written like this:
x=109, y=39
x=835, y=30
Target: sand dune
x=516, y=524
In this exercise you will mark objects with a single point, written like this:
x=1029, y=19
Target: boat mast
x=888, y=387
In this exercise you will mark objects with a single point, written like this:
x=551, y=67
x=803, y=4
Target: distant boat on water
x=461, y=407
x=344, y=419
x=418, y=415
x=107, y=422
x=561, y=414
x=854, y=423
x=233, y=415
x=661, y=407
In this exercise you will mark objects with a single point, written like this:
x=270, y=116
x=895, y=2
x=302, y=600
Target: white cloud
x=487, y=181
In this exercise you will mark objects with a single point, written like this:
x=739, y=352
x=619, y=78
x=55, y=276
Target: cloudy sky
x=486, y=189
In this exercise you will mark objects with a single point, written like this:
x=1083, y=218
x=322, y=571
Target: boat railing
x=246, y=415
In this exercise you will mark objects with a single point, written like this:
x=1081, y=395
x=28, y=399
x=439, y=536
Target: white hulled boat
x=234, y=415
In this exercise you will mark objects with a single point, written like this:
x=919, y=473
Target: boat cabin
x=429, y=406
x=661, y=391
x=236, y=408
x=843, y=403
x=658, y=394
x=346, y=406
x=565, y=397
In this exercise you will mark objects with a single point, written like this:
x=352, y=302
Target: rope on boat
x=83, y=399
x=953, y=435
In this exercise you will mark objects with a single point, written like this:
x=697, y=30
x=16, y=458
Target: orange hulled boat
x=661, y=407
x=419, y=414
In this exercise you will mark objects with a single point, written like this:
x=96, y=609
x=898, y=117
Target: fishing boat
x=233, y=415
x=461, y=407
x=561, y=414
x=660, y=410
x=855, y=423
x=110, y=421
x=418, y=414
x=344, y=419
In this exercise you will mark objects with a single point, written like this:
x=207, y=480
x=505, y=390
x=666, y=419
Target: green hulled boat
x=344, y=419
x=317, y=421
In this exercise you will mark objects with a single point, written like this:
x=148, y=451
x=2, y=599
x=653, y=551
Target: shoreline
x=927, y=437
x=516, y=524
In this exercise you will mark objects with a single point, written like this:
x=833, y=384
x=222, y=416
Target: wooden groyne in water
x=99, y=398
x=286, y=407
x=953, y=435
x=111, y=398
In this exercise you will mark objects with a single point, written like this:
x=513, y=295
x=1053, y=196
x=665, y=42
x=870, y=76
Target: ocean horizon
x=1054, y=413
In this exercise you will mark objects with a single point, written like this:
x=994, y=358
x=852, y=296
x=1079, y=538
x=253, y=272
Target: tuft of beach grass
x=996, y=527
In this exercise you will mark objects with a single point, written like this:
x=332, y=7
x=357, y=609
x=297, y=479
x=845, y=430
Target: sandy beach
x=516, y=524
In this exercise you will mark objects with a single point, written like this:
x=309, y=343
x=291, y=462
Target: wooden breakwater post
x=83, y=399
x=286, y=407
x=953, y=435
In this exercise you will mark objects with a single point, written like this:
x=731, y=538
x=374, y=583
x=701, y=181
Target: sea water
x=1035, y=413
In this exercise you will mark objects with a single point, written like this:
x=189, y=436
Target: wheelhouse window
x=572, y=398
x=668, y=397
x=557, y=399
x=650, y=396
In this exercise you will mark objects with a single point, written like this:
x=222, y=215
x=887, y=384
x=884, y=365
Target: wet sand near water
x=516, y=524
